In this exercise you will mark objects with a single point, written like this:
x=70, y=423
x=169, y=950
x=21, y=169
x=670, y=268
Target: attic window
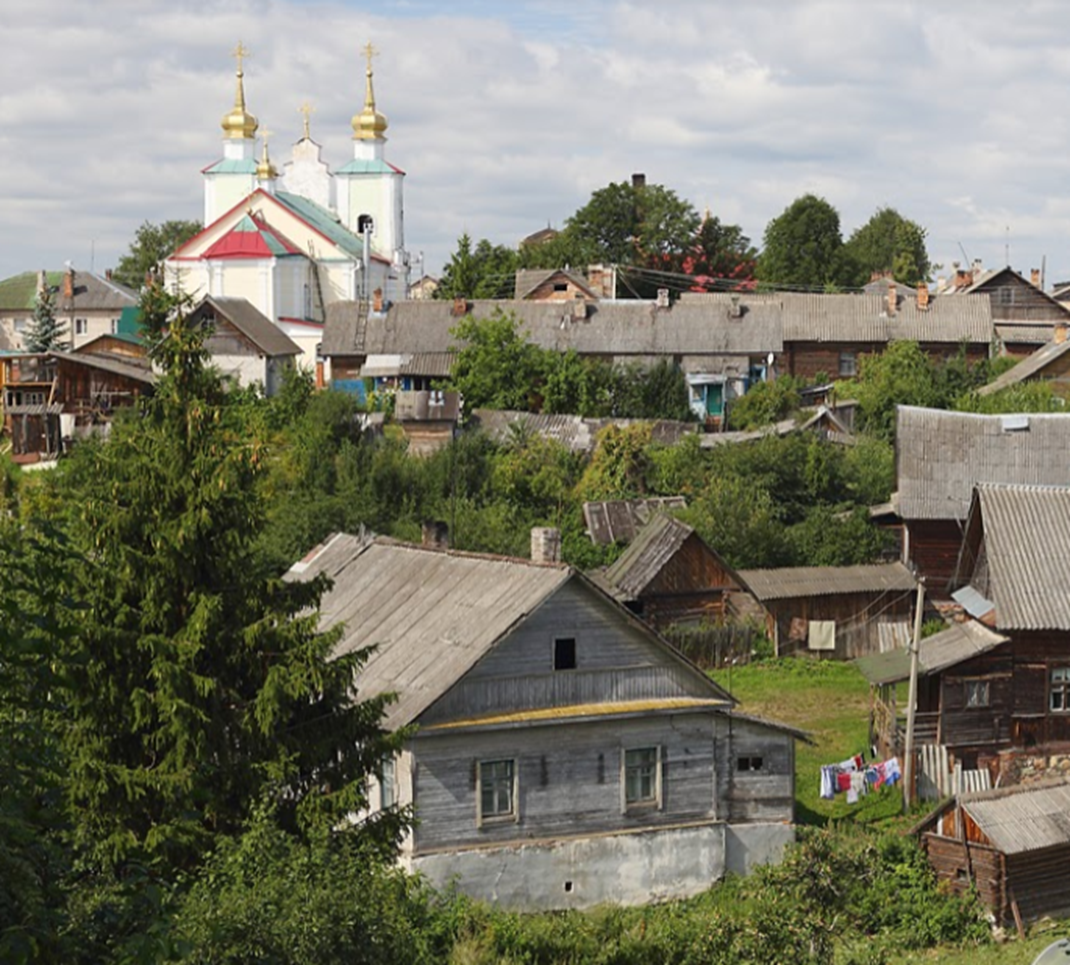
x=560, y=286
x=746, y=764
x=565, y=653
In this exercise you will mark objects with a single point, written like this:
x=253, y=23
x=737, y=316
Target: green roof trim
x=323, y=221
x=232, y=166
x=246, y=224
x=362, y=166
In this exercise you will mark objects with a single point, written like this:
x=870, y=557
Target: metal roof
x=958, y=643
x=1026, y=531
x=1028, y=367
x=796, y=581
x=1022, y=818
x=324, y=221
x=618, y=520
x=941, y=456
x=264, y=334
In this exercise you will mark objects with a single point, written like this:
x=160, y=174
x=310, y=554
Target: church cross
x=369, y=52
x=308, y=110
x=240, y=53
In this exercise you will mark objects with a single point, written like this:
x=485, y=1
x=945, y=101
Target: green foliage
x=196, y=683
x=1023, y=397
x=151, y=246
x=803, y=246
x=489, y=271
x=620, y=465
x=578, y=386
x=869, y=470
x=829, y=538
x=45, y=333
x=888, y=242
x=655, y=392
x=496, y=367
x=765, y=403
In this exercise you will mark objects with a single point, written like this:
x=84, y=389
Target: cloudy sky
x=507, y=114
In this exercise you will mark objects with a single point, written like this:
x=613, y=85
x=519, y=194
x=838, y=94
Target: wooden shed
x=835, y=612
x=1011, y=844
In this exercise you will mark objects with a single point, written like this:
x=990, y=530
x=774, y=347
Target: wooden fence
x=713, y=647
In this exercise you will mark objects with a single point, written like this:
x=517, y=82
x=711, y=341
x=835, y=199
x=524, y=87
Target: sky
x=507, y=115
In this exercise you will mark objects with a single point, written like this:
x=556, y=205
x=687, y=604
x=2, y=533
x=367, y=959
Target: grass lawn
x=830, y=701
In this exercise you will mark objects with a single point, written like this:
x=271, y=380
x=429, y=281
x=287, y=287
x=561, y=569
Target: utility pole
x=912, y=701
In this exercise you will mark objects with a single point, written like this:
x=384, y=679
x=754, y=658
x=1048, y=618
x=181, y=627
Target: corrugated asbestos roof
x=646, y=556
x=1023, y=334
x=618, y=520
x=1028, y=367
x=252, y=323
x=956, y=644
x=128, y=369
x=1027, y=542
x=1022, y=818
x=624, y=328
x=795, y=581
x=90, y=292
x=432, y=614
x=941, y=456
x=575, y=432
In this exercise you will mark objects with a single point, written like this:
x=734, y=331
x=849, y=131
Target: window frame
x=1063, y=689
x=512, y=816
x=575, y=653
x=980, y=686
x=848, y=365
x=750, y=764
x=655, y=800
x=388, y=790
x=81, y=326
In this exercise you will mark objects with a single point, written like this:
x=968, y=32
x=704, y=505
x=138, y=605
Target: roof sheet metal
x=644, y=559
x=956, y=644
x=1024, y=818
x=323, y=221
x=941, y=456
x=1028, y=367
x=1027, y=544
x=618, y=520
x=796, y=581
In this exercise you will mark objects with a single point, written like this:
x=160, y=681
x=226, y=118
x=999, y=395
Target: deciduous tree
x=803, y=246
x=888, y=242
x=152, y=245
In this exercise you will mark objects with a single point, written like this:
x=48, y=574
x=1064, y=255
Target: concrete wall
x=628, y=869
x=749, y=845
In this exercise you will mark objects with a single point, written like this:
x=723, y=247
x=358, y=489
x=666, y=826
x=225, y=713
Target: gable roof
x=264, y=334
x=91, y=292
x=251, y=237
x=948, y=648
x=795, y=581
x=1026, y=534
x=941, y=456
x=1022, y=818
x=434, y=613
x=649, y=553
x=1028, y=367
x=528, y=279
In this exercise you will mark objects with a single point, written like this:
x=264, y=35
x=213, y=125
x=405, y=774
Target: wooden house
x=244, y=343
x=428, y=418
x=1050, y=363
x=1024, y=315
x=553, y=285
x=668, y=575
x=995, y=690
x=941, y=456
x=1011, y=845
x=564, y=755
x=54, y=397
x=835, y=612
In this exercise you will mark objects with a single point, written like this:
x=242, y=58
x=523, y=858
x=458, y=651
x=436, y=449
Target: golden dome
x=369, y=124
x=238, y=122
x=265, y=170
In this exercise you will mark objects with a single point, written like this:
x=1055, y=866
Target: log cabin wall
x=933, y=549
x=959, y=867
x=987, y=724
x=1039, y=882
x=692, y=586
x=857, y=616
x=1016, y=300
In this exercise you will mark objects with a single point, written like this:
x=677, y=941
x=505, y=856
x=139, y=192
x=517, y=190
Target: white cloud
x=507, y=116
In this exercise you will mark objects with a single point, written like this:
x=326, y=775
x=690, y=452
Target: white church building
x=292, y=243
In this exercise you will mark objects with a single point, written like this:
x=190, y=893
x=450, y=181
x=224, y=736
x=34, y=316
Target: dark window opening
x=565, y=653
x=560, y=286
x=749, y=764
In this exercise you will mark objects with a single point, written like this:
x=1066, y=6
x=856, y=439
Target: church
x=293, y=242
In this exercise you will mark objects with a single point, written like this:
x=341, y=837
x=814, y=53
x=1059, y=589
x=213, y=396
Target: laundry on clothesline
x=855, y=778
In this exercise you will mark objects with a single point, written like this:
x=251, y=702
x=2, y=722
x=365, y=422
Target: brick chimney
x=638, y=180
x=1060, y=333
x=579, y=307
x=460, y=306
x=377, y=300
x=435, y=534
x=68, y=284
x=923, y=297
x=893, y=299
x=545, y=544
x=1034, y=277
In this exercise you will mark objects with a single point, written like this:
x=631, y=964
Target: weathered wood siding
x=615, y=661
x=1039, y=882
x=958, y=866
x=858, y=617
x=692, y=586
x=1016, y=300
x=808, y=360
x=933, y=548
x=763, y=794
x=965, y=727
x=569, y=779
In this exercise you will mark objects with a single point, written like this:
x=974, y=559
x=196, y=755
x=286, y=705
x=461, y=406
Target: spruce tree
x=46, y=333
x=198, y=685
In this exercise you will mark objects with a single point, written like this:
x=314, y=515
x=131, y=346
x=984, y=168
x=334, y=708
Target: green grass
x=830, y=701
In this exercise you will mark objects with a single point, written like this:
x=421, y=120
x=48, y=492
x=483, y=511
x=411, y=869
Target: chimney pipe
x=545, y=544
x=663, y=298
x=893, y=299
x=460, y=306
x=377, y=300
x=923, y=297
x=638, y=180
x=1034, y=277
x=735, y=309
x=1060, y=333
x=579, y=307
x=68, y=284
x=435, y=534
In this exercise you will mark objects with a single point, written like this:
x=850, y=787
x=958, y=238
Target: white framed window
x=848, y=364
x=114, y=326
x=496, y=792
x=640, y=778
x=387, y=784
x=1059, y=690
x=81, y=326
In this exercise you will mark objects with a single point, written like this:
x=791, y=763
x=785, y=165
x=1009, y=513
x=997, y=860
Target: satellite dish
x=1057, y=952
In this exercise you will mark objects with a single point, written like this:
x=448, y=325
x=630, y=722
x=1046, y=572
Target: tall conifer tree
x=198, y=684
x=46, y=332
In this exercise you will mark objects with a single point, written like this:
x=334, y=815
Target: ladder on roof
x=319, y=307
x=361, y=330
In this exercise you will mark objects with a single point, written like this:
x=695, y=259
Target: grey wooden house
x=564, y=755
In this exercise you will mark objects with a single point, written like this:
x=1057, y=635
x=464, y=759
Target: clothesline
x=856, y=778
